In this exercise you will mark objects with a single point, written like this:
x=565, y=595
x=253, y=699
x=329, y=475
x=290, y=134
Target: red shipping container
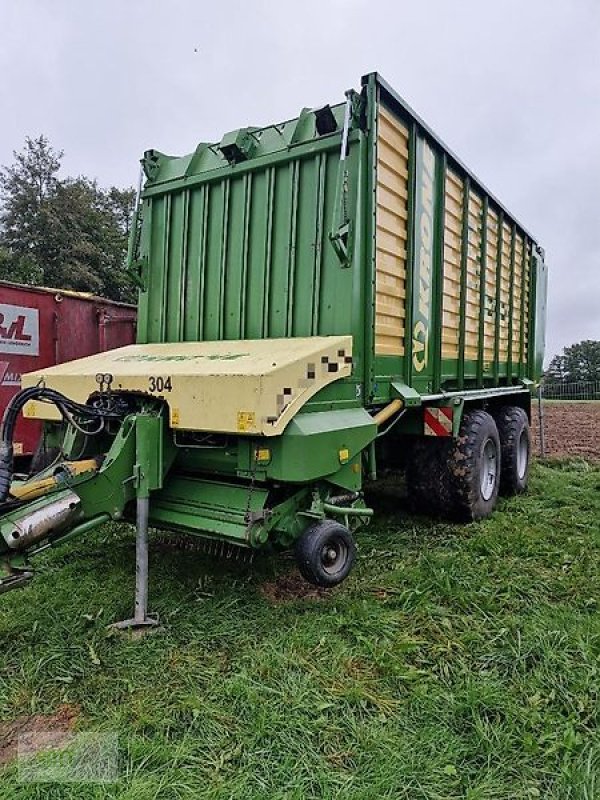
x=40, y=327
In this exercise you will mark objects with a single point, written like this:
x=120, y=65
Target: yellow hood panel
x=251, y=386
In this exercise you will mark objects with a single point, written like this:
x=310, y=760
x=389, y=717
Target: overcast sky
x=513, y=87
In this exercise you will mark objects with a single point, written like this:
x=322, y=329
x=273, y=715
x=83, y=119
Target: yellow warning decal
x=246, y=421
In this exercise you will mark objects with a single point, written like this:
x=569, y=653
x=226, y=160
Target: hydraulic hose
x=6, y=461
x=68, y=408
x=388, y=411
x=344, y=499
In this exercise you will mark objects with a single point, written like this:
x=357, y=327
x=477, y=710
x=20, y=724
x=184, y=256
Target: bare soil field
x=571, y=429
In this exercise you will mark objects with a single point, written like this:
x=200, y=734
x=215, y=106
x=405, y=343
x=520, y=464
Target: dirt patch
x=571, y=430
x=292, y=586
x=37, y=732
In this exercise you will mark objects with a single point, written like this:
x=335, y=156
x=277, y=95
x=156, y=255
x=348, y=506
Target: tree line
x=68, y=233
x=577, y=366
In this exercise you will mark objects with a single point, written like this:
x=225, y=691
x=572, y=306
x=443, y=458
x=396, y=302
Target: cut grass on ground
x=455, y=662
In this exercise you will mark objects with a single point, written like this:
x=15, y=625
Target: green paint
x=482, y=294
x=537, y=334
x=311, y=444
x=462, y=333
x=497, y=302
x=438, y=270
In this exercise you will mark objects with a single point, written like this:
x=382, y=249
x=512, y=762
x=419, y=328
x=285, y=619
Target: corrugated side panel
x=504, y=298
x=516, y=297
x=453, y=222
x=392, y=234
x=485, y=269
x=452, y=267
x=505, y=291
x=525, y=304
x=473, y=277
x=489, y=306
x=247, y=255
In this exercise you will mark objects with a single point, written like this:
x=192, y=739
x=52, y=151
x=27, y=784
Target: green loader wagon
x=320, y=300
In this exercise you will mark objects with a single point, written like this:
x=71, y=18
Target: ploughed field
x=455, y=662
x=572, y=429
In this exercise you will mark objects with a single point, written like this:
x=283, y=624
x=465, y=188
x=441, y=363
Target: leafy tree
x=26, y=187
x=578, y=363
x=556, y=372
x=67, y=233
x=87, y=239
x=582, y=361
x=117, y=209
x=19, y=270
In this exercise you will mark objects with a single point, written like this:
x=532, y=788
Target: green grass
x=455, y=662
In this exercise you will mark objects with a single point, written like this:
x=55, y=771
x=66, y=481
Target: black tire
x=515, y=447
x=325, y=553
x=474, y=467
x=426, y=478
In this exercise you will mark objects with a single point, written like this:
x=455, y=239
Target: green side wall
x=242, y=250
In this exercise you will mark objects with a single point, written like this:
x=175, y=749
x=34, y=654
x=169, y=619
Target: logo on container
x=19, y=330
x=424, y=255
x=8, y=376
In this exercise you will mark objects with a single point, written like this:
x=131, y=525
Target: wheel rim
x=489, y=469
x=333, y=556
x=522, y=455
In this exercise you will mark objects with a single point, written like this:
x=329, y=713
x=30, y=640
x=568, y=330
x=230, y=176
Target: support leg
x=542, y=436
x=141, y=618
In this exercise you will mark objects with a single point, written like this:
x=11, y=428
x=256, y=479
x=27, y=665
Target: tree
x=556, y=372
x=117, y=208
x=87, y=239
x=578, y=363
x=67, y=233
x=582, y=361
x=25, y=188
x=20, y=270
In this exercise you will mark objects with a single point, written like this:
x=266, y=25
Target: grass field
x=455, y=662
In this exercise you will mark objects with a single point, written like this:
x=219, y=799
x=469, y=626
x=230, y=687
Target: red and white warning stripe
x=438, y=421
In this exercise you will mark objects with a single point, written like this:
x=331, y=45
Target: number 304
x=158, y=384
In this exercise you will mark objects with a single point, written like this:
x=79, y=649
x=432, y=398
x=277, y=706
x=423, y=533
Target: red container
x=41, y=327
